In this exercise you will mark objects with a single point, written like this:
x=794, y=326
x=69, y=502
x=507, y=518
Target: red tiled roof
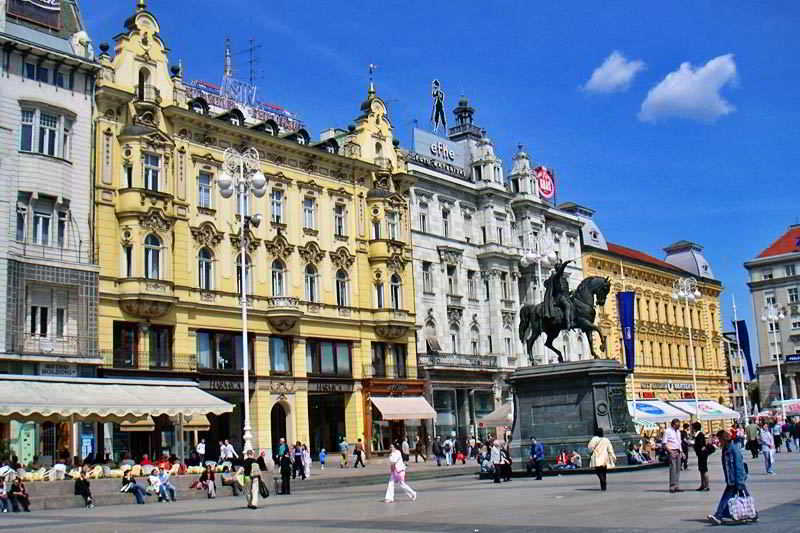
x=787, y=243
x=640, y=256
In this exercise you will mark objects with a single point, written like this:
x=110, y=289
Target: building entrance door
x=326, y=421
x=278, y=426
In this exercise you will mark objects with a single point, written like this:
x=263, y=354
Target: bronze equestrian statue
x=564, y=310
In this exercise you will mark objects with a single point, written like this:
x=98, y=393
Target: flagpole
x=739, y=354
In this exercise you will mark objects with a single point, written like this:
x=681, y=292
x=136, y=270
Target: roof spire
x=372, y=69
x=228, y=63
x=141, y=5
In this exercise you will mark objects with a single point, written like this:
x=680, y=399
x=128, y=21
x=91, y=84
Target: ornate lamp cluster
x=773, y=315
x=685, y=290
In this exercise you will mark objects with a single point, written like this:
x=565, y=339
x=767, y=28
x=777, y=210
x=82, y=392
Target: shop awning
x=707, y=409
x=403, y=408
x=655, y=411
x=792, y=407
x=502, y=416
x=41, y=397
x=197, y=423
x=145, y=425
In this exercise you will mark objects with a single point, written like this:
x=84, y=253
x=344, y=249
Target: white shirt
x=201, y=448
x=405, y=447
x=396, y=460
x=672, y=439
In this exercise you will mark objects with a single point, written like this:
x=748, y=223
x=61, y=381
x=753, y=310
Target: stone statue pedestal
x=561, y=404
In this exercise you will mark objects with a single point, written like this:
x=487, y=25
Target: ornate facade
x=330, y=302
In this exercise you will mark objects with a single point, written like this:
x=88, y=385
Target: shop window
x=280, y=355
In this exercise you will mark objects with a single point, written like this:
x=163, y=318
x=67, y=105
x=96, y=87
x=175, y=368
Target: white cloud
x=615, y=74
x=692, y=93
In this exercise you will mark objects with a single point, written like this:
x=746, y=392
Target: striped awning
x=403, y=408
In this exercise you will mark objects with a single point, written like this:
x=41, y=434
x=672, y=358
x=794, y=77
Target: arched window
x=205, y=261
x=378, y=150
x=278, y=278
x=144, y=80
x=312, y=291
x=475, y=340
x=455, y=340
x=342, y=292
x=152, y=257
x=397, y=292
x=248, y=274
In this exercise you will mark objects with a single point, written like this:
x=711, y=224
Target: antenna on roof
x=253, y=60
x=228, y=60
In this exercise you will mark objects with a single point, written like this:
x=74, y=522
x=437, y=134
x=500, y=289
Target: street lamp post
x=542, y=253
x=773, y=315
x=685, y=290
x=241, y=173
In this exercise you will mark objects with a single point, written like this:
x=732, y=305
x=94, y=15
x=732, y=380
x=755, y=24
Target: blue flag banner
x=625, y=304
x=744, y=347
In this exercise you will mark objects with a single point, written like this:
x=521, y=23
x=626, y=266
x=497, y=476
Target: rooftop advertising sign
x=438, y=153
x=44, y=12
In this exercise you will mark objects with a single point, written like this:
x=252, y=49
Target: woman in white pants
x=397, y=474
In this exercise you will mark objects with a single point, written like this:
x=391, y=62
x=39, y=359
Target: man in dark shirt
x=536, y=457
x=286, y=472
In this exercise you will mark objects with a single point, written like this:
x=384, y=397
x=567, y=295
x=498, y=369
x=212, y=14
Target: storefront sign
x=329, y=387
x=222, y=385
x=793, y=358
x=54, y=369
x=682, y=386
x=397, y=388
x=647, y=395
x=668, y=386
x=687, y=395
x=547, y=182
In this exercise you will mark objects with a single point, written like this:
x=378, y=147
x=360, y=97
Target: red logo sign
x=547, y=185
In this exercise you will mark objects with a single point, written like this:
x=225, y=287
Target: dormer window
x=236, y=121
x=301, y=139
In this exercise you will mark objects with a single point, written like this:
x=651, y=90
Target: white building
x=470, y=232
x=48, y=294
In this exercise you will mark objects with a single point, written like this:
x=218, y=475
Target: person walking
x=751, y=434
x=405, y=449
x=702, y=449
x=686, y=440
x=603, y=457
x=735, y=475
x=419, y=450
x=201, y=450
x=343, y=449
x=777, y=436
x=448, y=451
x=297, y=461
x=536, y=458
x=306, y=462
x=505, y=459
x=438, y=451
x=674, y=446
x=358, y=453
x=252, y=478
x=397, y=474
x=767, y=441
x=795, y=430
x=285, y=462
x=323, y=455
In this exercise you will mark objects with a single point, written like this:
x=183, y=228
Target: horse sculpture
x=533, y=323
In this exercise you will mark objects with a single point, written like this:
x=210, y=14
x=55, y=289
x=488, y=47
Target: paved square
x=634, y=502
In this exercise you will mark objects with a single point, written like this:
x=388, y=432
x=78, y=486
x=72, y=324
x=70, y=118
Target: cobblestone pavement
x=636, y=501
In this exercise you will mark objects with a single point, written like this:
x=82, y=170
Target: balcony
x=59, y=254
x=283, y=312
x=454, y=300
x=493, y=249
x=458, y=360
x=384, y=163
x=392, y=323
x=384, y=371
x=136, y=200
x=148, y=98
x=167, y=361
x=146, y=298
x=66, y=346
x=462, y=129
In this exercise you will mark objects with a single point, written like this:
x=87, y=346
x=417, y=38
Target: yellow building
x=330, y=290
x=663, y=368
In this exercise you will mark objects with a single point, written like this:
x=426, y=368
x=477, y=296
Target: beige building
x=663, y=368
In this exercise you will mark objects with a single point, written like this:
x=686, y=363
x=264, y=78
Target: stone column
x=792, y=385
x=143, y=357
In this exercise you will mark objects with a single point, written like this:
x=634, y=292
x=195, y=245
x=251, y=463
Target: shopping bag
x=742, y=506
x=262, y=488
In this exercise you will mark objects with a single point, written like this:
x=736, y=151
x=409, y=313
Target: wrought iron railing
x=70, y=345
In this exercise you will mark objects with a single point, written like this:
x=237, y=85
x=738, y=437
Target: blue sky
x=713, y=158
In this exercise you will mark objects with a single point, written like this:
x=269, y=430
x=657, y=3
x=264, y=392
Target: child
x=322, y=456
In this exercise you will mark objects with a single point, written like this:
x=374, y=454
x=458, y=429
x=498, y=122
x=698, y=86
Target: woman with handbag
x=736, y=502
x=603, y=458
x=397, y=474
x=252, y=479
x=702, y=449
